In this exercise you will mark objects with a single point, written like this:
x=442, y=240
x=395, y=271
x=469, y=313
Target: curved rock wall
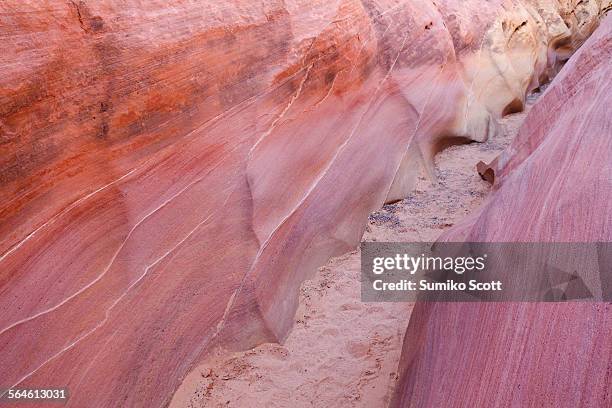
x=171, y=171
x=553, y=184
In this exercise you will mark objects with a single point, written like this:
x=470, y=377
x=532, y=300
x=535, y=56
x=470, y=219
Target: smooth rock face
x=554, y=184
x=170, y=172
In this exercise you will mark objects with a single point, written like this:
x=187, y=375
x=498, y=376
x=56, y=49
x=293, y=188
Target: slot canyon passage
x=174, y=173
x=342, y=352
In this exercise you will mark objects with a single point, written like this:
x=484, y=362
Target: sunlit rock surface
x=170, y=171
x=554, y=184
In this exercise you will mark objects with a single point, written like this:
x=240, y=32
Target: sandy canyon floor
x=342, y=352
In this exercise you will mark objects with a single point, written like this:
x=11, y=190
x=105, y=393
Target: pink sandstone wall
x=553, y=184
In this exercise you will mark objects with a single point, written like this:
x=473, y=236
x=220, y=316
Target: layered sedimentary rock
x=171, y=171
x=553, y=184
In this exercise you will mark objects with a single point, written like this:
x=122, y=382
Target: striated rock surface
x=171, y=171
x=554, y=184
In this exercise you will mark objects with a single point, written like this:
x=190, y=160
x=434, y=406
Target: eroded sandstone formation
x=172, y=171
x=553, y=184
